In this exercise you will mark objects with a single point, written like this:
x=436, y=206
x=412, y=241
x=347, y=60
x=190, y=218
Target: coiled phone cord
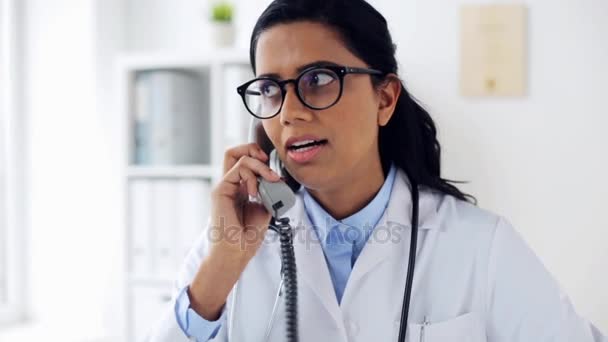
x=288, y=270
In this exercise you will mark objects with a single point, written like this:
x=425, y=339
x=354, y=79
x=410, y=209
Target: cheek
x=358, y=136
x=359, y=101
x=356, y=119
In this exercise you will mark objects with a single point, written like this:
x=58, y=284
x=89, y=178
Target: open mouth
x=305, y=151
x=303, y=146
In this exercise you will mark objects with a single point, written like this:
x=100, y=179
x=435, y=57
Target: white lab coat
x=475, y=280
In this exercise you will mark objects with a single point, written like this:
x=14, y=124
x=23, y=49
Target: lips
x=304, y=149
x=303, y=142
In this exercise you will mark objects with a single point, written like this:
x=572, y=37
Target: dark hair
x=410, y=137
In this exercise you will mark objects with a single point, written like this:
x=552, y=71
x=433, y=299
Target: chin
x=317, y=179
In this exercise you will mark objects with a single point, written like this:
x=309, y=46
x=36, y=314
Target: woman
x=352, y=142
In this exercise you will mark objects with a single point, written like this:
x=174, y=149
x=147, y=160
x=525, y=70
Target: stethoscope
x=408, y=283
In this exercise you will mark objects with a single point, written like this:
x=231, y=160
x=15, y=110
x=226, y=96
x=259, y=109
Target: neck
x=355, y=190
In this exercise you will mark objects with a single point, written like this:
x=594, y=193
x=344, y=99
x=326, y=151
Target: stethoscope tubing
x=410, y=265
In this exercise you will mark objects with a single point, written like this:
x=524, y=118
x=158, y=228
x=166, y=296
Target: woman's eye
x=269, y=90
x=319, y=79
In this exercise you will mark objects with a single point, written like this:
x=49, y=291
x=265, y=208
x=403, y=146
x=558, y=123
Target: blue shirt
x=341, y=240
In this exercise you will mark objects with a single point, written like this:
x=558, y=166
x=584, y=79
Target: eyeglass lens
x=317, y=88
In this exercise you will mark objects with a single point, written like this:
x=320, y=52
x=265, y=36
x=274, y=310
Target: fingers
x=246, y=170
x=233, y=155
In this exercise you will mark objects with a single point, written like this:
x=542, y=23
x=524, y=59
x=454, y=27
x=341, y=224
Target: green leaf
x=222, y=11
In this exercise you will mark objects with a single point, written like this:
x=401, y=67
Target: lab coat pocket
x=464, y=328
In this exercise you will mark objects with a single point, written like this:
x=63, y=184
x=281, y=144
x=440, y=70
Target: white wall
x=154, y=25
x=73, y=169
x=539, y=160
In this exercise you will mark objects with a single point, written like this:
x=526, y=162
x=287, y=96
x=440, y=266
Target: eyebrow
x=301, y=68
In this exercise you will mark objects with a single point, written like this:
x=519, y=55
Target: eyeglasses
x=318, y=87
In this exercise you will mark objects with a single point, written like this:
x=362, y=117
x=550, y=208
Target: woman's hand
x=238, y=225
x=237, y=229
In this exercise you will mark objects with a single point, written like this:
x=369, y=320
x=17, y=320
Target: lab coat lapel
x=392, y=233
x=310, y=261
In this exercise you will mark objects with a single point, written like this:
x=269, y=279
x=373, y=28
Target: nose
x=293, y=109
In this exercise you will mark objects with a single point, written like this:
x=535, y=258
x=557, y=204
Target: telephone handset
x=278, y=198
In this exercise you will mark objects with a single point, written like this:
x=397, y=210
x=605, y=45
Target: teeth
x=303, y=142
x=304, y=149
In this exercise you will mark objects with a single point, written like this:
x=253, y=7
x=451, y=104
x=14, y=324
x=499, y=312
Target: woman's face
x=350, y=127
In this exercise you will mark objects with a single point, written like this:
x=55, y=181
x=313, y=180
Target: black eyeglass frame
x=341, y=71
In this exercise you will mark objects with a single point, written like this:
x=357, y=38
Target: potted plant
x=223, y=30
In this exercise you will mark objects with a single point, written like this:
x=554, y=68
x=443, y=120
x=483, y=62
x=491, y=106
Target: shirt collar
x=364, y=220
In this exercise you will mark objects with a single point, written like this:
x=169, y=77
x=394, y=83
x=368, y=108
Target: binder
x=163, y=213
x=172, y=118
x=190, y=119
x=141, y=117
x=140, y=239
x=193, y=207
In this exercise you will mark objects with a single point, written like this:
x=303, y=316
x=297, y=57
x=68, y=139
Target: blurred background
x=114, y=115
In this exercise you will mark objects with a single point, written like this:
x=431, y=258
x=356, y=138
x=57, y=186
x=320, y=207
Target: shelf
x=224, y=56
x=167, y=193
x=173, y=171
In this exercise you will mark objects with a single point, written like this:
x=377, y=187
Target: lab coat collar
x=363, y=221
x=399, y=208
x=309, y=253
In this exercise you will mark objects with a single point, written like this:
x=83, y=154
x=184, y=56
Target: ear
x=388, y=92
